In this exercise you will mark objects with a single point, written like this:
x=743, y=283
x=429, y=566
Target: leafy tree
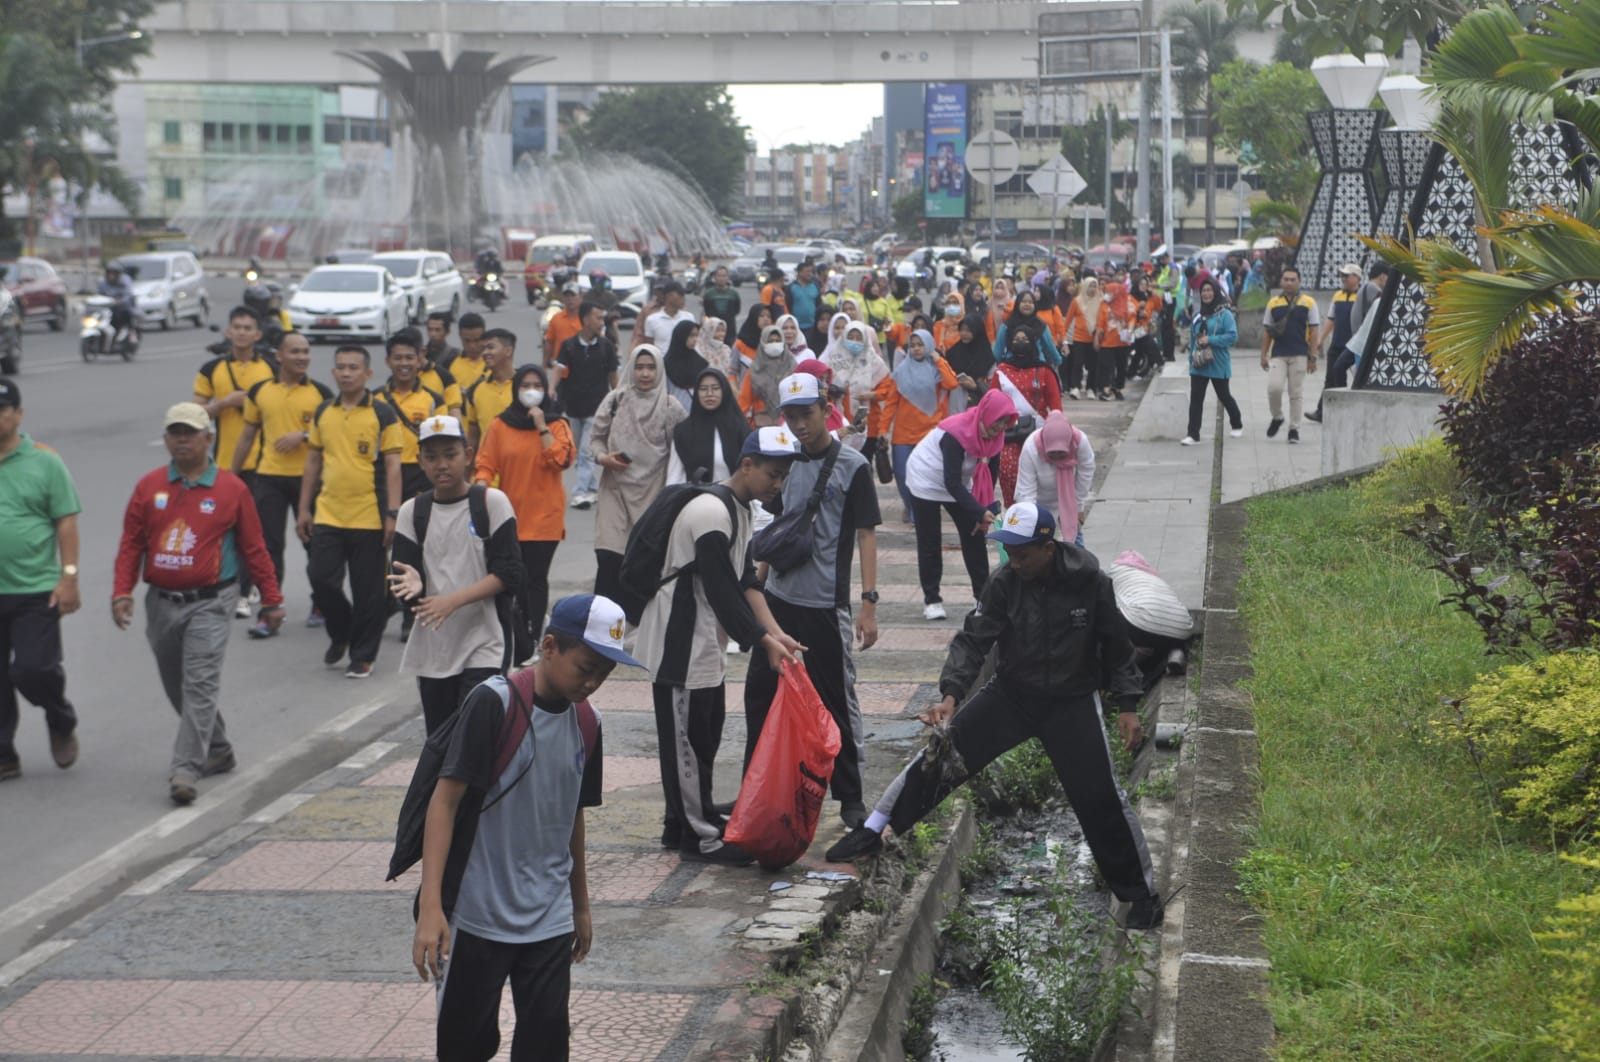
x=1264, y=108
x=1355, y=23
x=1085, y=147
x=1205, y=39
x=907, y=212
x=693, y=125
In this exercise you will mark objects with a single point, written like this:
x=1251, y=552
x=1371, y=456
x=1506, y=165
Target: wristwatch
x=392, y=513
x=869, y=596
x=70, y=569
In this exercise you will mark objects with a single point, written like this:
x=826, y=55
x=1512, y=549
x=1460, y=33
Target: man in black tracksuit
x=1053, y=615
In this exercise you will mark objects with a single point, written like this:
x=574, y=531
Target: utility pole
x=1107, y=199
x=1166, y=135
x=1141, y=201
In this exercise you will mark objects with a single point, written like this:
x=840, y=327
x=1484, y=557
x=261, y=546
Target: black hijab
x=681, y=361
x=1017, y=321
x=692, y=438
x=974, y=359
x=750, y=331
x=518, y=417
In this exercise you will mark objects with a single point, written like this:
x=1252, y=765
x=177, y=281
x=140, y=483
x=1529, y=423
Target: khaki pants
x=1290, y=371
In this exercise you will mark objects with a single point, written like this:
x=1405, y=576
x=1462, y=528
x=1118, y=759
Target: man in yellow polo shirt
x=490, y=396
x=279, y=412
x=353, y=473
x=466, y=367
x=413, y=402
x=221, y=386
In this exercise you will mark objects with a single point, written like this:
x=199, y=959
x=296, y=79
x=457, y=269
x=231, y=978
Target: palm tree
x=1204, y=39
x=1493, y=78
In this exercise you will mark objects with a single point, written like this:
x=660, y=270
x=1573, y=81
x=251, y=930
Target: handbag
x=1025, y=426
x=785, y=544
x=884, y=464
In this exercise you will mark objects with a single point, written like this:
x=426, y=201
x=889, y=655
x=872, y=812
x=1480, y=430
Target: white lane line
x=1240, y=961
x=279, y=808
x=163, y=877
x=370, y=755
x=350, y=717
x=31, y=960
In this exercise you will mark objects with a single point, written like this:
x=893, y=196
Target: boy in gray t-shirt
x=522, y=903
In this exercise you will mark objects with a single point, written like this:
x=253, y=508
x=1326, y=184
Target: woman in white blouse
x=1056, y=470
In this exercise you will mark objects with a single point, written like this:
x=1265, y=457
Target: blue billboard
x=944, y=151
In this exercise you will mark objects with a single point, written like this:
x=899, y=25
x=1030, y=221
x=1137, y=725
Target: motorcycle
x=691, y=280
x=98, y=336
x=488, y=289
x=534, y=284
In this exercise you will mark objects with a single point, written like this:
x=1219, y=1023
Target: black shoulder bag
x=785, y=544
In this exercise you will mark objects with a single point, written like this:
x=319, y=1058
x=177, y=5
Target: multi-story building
x=804, y=192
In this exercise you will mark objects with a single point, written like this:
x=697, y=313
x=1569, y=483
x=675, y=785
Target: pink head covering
x=991, y=409
x=1058, y=436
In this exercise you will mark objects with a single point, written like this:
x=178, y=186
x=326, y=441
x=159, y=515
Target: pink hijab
x=990, y=410
x=1058, y=434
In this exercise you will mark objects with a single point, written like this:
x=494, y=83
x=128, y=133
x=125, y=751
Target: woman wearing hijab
x=1146, y=347
x=1024, y=317
x=1122, y=317
x=879, y=309
x=999, y=307
x=1025, y=375
x=1085, y=320
x=630, y=440
x=1045, y=306
x=713, y=346
x=523, y=453
x=683, y=362
x=1057, y=472
x=971, y=358
x=947, y=328
x=835, y=422
x=953, y=468
x=758, y=394
x=747, y=344
x=1212, y=334
x=912, y=400
x=794, y=337
x=835, y=334
x=705, y=447
x=856, y=372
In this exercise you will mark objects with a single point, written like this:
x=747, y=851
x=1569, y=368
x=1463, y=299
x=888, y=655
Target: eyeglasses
x=708, y=390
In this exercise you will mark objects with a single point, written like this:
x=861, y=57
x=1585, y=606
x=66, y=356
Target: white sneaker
x=248, y=604
x=1190, y=440
x=934, y=611
x=1236, y=433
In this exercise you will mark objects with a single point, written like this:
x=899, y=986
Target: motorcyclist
x=601, y=294
x=769, y=265
x=116, y=286
x=488, y=261
x=260, y=298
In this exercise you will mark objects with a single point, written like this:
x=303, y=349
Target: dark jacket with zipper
x=1060, y=636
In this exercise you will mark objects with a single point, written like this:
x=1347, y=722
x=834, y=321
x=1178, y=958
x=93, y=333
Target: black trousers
x=1146, y=356
x=1338, y=374
x=442, y=696
x=357, y=620
x=1080, y=361
x=930, y=548
x=30, y=664
x=1113, y=363
x=688, y=734
x=608, y=574
x=536, y=558
x=1073, y=734
x=413, y=481
x=469, y=999
x=276, y=497
x=1169, y=332
x=1197, y=402
x=828, y=635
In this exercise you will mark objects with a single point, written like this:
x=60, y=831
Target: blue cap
x=598, y=621
x=1023, y=523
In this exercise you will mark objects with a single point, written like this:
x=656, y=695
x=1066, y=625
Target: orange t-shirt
x=1057, y=325
x=910, y=424
x=1079, y=328
x=563, y=326
x=528, y=469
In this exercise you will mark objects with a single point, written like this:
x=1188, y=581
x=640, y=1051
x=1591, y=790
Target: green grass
x=1399, y=912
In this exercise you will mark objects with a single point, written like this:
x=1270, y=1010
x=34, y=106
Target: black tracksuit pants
x=688, y=734
x=468, y=999
x=1197, y=402
x=828, y=635
x=275, y=497
x=357, y=620
x=30, y=665
x=1073, y=734
x=930, y=547
x=536, y=558
x=442, y=696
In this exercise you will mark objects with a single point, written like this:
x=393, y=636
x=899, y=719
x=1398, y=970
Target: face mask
x=530, y=397
x=772, y=350
x=952, y=310
x=854, y=346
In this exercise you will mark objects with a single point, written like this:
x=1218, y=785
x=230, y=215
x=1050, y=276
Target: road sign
x=992, y=157
x=1056, y=179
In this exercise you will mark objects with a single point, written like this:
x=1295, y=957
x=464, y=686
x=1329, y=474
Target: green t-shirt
x=35, y=491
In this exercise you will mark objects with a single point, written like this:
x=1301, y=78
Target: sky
x=808, y=113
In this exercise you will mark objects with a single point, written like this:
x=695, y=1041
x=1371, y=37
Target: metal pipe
x=1166, y=137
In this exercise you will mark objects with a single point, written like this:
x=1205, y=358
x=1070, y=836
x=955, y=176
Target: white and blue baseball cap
x=598, y=621
x=801, y=389
x=1023, y=523
x=440, y=427
x=776, y=441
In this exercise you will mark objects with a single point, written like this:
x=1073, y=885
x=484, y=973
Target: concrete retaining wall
x=1359, y=427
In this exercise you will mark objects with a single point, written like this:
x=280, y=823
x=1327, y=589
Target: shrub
x=1023, y=779
x=1572, y=938
x=1535, y=731
x=1398, y=492
x=1538, y=405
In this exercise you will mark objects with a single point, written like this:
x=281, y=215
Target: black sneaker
x=1273, y=426
x=181, y=789
x=1146, y=913
x=858, y=842
x=725, y=854
x=671, y=835
x=853, y=813
x=216, y=764
x=335, y=654
x=10, y=769
x=1315, y=416
x=358, y=669
x=1294, y=435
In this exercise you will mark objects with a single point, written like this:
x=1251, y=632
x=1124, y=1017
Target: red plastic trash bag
x=775, y=817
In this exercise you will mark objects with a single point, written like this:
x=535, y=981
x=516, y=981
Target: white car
x=168, y=286
x=907, y=267
x=624, y=269
x=342, y=301
x=429, y=279
x=838, y=249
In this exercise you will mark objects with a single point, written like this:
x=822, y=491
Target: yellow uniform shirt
x=221, y=377
x=486, y=400
x=278, y=409
x=414, y=407
x=449, y=393
x=353, y=442
x=465, y=371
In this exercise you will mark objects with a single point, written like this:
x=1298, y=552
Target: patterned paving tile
x=194, y=1018
x=621, y=772
x=885, y=698
x=307, y=866
x=620, y=877
x=322, y=1020
x=66, y=1017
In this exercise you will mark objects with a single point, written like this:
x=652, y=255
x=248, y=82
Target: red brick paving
x=628, y=876
x=621, y=772
x=307, y=866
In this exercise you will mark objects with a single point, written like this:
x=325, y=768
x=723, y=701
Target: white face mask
x=772, y=350
x=854, y=346
x=952, y=310
x=530, y=397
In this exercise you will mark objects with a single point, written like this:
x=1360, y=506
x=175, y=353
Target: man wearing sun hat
x=683, y=634
x=1051, y=615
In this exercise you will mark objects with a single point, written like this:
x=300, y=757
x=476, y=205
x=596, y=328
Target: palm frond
x=1484, y=142
x=1567, y=36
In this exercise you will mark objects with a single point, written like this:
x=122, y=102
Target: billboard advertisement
x=944, y=147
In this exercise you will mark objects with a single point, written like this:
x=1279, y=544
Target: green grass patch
x=1400, y=912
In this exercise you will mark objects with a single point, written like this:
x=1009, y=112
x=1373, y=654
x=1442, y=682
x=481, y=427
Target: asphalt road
x=105, y=420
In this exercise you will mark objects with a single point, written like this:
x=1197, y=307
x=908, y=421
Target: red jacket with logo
x=189, y=537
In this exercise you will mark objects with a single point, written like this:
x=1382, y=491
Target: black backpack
x=508, y=606
x=646, y=552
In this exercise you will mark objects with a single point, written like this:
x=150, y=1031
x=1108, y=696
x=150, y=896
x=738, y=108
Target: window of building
x=171, y=132
x=332, y=131
x=226, y=131
x=172, y=187
x=302, y=139
x=208, y=136
x=283, y=137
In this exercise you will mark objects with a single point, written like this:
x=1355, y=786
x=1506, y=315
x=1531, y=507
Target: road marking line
x=370, y=755
x=350, y=717
x=279, y=808
x=163, y=877
x=1240, y=961
x=30, y=960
